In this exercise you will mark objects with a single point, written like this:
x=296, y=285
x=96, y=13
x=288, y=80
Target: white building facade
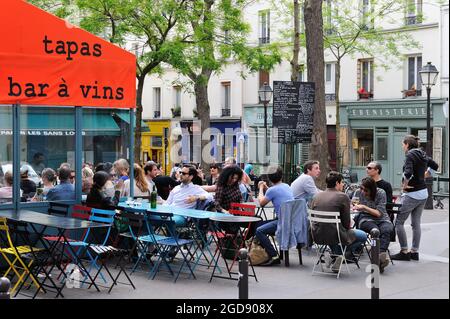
x=392, y=104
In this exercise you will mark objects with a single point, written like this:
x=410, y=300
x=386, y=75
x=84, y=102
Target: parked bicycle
x=350, y=182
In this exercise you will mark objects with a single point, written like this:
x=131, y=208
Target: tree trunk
x=295, y=70
x=201, y=99
x=315, y=63
x=137, y=130
x=294, y=63
x=338, y=122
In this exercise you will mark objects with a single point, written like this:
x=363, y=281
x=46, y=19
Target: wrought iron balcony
x=264, y=40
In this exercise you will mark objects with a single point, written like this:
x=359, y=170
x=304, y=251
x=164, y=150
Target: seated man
x=304, y=186
x=186, y=194
x=334, y=200
x=278, y=193
x=65, y=189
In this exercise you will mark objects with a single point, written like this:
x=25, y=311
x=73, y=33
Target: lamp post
x=428, y=77
x=265, y=95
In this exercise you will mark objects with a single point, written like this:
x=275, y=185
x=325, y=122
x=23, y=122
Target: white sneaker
x=337, y=264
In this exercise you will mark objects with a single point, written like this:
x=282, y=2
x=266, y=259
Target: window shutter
x=437, y=147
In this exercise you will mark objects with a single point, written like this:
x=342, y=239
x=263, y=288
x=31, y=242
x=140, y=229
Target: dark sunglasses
x=184, y=173
x=370, y=168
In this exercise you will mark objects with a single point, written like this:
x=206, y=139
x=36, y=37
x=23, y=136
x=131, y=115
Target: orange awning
x=44, y=60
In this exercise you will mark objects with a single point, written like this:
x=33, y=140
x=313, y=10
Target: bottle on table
x=153, y=197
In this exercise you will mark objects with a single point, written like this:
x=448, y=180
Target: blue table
x=193, y=215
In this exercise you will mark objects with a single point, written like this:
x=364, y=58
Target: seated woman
x=372, y=214
x=227, y=190
x=48, y=179
x=141, y=186
x=97, y=197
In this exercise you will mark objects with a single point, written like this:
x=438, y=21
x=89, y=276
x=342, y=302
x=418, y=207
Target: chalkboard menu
x=293, y=111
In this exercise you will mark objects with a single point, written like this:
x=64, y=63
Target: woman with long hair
x=415, y=194
x=227, y=190
x=141, y=186
x=372, y=214
x=97, y=196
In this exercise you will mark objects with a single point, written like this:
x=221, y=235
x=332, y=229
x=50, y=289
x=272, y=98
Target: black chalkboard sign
x=293, y=111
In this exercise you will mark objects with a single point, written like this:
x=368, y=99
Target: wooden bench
x=440, y=194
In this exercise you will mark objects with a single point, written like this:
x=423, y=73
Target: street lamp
x=428, y=77
x=265, y=95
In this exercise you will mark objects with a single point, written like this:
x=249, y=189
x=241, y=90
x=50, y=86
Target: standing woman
x=414, y=196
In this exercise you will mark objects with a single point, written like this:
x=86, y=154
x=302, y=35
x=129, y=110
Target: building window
x=413, y=85
x=157, y=102
x=301, y=73
x=264, y=26
x=264, y=77
x=177, y=96
x=366, y=15
x=330, y=81
x=330, y=11
x=362, y=147
x=226, y=98
x=413, y=12
x=365, y=79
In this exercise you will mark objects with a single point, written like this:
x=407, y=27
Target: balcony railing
x=411, y=20
x=330, y=97
x=411, y=93
x=264, y=40
x=157, y=114
x=365, y=95
x=226, y=112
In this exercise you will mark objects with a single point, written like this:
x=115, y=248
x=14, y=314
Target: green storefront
x=374, y=130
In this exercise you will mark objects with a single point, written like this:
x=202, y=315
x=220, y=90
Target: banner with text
x=44, y=60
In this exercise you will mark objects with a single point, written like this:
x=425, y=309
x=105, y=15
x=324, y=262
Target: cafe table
x=62, y=225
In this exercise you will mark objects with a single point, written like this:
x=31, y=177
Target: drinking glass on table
x=355, y=201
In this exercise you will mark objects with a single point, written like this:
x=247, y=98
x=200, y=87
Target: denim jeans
x=268, y=228
x=385, y=227
x=361, y=238
x=413, y=207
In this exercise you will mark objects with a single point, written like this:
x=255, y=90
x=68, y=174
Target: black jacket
x=416, y=164
x=97, y=199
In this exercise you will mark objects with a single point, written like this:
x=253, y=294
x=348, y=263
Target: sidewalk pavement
x=424, y=279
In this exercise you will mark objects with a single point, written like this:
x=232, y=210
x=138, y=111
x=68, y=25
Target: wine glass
x=355, y=201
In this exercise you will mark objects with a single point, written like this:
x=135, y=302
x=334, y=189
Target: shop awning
x=125, y=116
x=48, y=123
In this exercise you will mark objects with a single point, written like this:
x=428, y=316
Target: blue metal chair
x=168, y=245
x=92, y=238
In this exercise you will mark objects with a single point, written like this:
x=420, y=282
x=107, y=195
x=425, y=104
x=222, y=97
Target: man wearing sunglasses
x=186, y=194
x=373, y=170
